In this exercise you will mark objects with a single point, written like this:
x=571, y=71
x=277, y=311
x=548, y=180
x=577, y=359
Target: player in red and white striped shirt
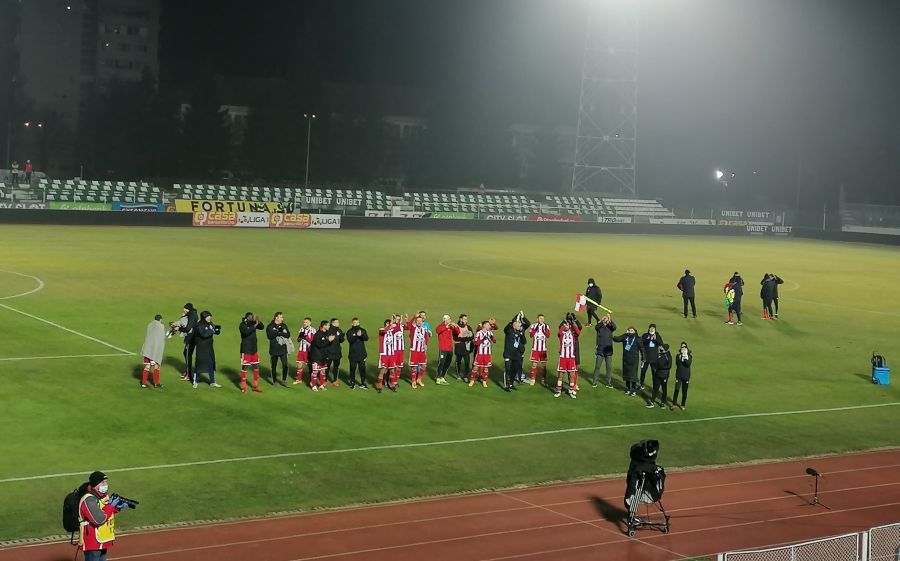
x=568, y=330
x=399, y=348
x=484, y=339
x=540, y=332
x=385, y=353
x=304, y=339
x=418, y=348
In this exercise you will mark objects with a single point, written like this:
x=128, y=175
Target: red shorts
x=538, y=356
x=566, y=365
x=483, y=361
x=385, y=361
x=398, y=359
x=317, y=366
x=148, y=361
x=302, y=356
x=248, y=359
x=417, y=358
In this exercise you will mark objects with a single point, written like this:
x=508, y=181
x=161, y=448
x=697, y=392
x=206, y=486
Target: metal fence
x=881, y=543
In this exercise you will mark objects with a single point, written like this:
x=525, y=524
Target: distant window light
x=116, y=29
x=106, y=45
x=68, y=7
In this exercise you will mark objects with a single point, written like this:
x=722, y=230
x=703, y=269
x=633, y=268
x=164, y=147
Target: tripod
x=815, y=500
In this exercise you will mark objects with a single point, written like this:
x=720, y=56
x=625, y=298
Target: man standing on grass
x=304, y=340
x=776, y=281
x=401, y=325
x=735, y=289
x=206, y=353
x=318, y=357
x=540, y=332
x=96, y=514
x=250, y=350
x=356, y=352
x=686, y=285
x=593, y=293
x=445, y=332
x=418, y=350
x=335, y=353
x=152, y=351
x=185, y=327
x=632, y=354
x=605, y=330
x=484, y=339
x=279, y=335
x=651, y=340
x=386, y=355
x=514, y=350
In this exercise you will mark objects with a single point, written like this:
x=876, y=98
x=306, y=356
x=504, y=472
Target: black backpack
x=877, y=361
x=70, y=518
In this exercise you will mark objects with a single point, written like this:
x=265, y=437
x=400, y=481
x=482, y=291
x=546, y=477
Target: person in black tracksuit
x=651, y=342
x=334, y=353
x=738, y=284
x=683, y=362
x=686, y=285
x=632, y=355
x=767, y=293
x=593, y=292
x=278, y=349
x=776, y=281
x=356, y=352
x=514, y=350
x=318, y=356
x=605, y=330
x=186, y=327
x=463, y=348
x=206, y=353
x=661, y=377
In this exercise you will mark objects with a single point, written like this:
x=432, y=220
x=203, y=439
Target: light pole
x=309, y=119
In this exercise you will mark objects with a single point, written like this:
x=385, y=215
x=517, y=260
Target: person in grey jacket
x=605, y=329
x=152, y=351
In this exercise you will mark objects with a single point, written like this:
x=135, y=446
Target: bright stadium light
x=719, y=175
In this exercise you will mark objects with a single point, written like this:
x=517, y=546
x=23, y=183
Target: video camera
x=130, y=503
x=570, y=317
x=217, y=329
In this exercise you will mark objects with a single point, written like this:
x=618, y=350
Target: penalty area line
x=72, y=331
x=282, y=455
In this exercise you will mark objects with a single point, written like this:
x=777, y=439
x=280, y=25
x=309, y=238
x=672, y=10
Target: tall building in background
x=70, y=50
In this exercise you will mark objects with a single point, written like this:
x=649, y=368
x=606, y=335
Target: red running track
x=712, y=511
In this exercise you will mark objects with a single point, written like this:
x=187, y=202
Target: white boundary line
x=48, y=322
x=476, y=272
x=39, y=286
x=60, y=356
x=445, y=442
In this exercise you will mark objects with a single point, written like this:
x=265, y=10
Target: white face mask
x=103, y=488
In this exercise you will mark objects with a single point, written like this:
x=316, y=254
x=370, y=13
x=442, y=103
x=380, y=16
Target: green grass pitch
x=74, y=415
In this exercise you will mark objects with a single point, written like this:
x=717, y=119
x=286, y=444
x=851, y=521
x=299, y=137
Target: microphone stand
x=815, y=501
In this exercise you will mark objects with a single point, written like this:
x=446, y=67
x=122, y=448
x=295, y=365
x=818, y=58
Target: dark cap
x=188, y=306
x=591, y=280
x=96, y=478
x=157, y=317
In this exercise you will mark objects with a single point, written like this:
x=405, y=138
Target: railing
x=881, y=543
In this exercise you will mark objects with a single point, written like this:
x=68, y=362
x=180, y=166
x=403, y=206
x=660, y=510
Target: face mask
x=103, y=488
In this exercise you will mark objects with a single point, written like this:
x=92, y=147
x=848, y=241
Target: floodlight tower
x=606, y=138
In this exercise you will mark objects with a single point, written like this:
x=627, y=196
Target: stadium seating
x=76, y=190
x=637, y=207
x=306, y=197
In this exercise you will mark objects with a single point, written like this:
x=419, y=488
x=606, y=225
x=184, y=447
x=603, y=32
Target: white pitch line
x=449, y=442
x=40, y=285
x=48, y=322
x=476, y=272
x=60, y=356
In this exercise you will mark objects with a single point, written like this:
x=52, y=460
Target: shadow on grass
x=611, y=513
x=233, y=375
x=138, y=372
x=866, y=377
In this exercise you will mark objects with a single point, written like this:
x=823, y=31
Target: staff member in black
x=463, y=348
x=737, y=283
x=593, y=292
x=686, y=285
x=776, y=281
x=206, y=352
x=651, y=341
x=250, y=350
x=766, y=294
x=279, y=335
x=514, y=350
x=334, y=352
x=356, y=352
x=632, y=354
x=605, y=330
x=683, y=362
x=185, y=326
x=318, y=356
x=661, y=377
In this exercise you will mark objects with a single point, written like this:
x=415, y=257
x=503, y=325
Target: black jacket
x=356, y=343
x=273, y=331
x=334, y=351
x=575, y=336
x=515, y=342
x=319, y=347
x=605, y=338
x=686, y=285
x=683, y=366
x=651, y=346
x=632, y=356
x=777, y=280
x=663, y=364
x=767, y=288
x=249, y=345
x=193, y=318
x=203, y=339
x=593, y=292
x=462, y=344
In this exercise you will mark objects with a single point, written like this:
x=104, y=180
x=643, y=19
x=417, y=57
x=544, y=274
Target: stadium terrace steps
x=76, y=190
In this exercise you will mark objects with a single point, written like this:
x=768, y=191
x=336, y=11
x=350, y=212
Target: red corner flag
x=580, y=302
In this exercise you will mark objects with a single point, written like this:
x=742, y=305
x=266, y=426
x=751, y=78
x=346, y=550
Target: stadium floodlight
x=719, y=175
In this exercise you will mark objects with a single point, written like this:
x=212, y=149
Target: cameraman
x=96, y=513
x=206, y=354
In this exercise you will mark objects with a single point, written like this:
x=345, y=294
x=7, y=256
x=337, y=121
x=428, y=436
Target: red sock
x=484, y=374
x=322, y=378
x=534, y=372
x=256, y=377
x=243, y=380
x=573, y=380
x=300, y=374
x=380, y=383
x=144, y=376
x=395, y=377
x=156, y=376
